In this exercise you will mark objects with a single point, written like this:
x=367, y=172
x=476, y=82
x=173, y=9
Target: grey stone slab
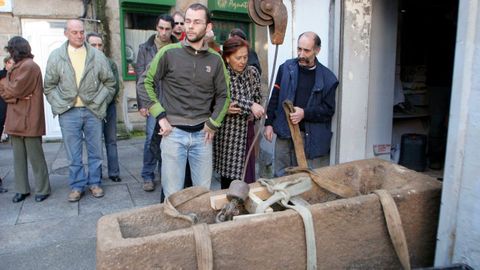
x=124, y=175
x=117, y=198
x=9, y=211
x=59, y=182
x=143, y=198
x=131, y=162
x=22, y=237
x=72, y=255
x=55, y=206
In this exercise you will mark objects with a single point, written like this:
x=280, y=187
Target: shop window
x=137, y=24
x=227, y=15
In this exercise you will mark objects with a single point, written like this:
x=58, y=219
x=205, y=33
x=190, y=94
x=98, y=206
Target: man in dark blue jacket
x=311, y=87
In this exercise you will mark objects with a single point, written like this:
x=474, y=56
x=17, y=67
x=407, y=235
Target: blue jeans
x=78, y=124
x=149, y=160
x=179, y=146
x=110, y=137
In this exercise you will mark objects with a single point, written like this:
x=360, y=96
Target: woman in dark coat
x=231, y=138
x=8, y=63
x=25, y=123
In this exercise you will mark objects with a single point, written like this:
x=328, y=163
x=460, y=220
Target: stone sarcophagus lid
x=349, y=233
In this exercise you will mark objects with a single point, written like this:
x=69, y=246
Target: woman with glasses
x=231, y=140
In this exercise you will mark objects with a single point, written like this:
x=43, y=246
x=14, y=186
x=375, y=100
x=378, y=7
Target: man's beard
x=196, y=39
x=305, y=60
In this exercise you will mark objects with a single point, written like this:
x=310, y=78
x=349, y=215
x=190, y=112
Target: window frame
x=153, y=7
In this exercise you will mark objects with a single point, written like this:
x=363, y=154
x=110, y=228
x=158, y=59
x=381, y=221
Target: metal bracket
x=271, y=13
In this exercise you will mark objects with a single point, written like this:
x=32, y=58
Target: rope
x=179, y=198
x=395, y=228
x=203, y=246
x=262, y=120
x=338, y=189
x=282, y=192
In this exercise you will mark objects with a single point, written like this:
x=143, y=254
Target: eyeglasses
x=195, y=22
x=181, y=23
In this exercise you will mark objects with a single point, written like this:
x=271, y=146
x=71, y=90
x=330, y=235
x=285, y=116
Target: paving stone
x=21, y=237
x=55, y=206
x=117, y=197
x=8, y=210
x=72, y=255
x=143, y=198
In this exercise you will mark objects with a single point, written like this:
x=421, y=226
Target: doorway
x=425, y=58
x=45, y=36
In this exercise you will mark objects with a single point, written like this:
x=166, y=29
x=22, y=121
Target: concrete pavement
x=57, y=234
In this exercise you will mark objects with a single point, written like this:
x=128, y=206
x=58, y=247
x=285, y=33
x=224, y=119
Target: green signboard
x=234, y=6
x=151, y=2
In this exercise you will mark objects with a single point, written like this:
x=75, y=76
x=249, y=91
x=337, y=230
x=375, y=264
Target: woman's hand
x=233, y=108
x=257, y=110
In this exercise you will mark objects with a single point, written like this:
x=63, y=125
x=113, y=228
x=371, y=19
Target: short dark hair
x=93, y=34
x=239, y=33
x=231, y=45
x=316, y=39
x=165, y=17
x=198, y=6
x=19, y=48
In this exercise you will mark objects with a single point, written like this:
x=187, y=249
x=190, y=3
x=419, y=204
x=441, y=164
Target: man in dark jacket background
x=110, y=124
x=146, y=51
x=311, y=87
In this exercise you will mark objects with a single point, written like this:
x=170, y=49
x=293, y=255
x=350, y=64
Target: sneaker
x=149, y=186
x=97, y=191
x=74, y=196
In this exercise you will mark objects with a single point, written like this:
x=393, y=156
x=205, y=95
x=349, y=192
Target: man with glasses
x=179, y=28
x=194, y=100
x=146, y=52
x=110, y=124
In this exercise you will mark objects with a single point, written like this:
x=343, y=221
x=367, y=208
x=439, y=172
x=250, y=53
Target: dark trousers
x=3, y=114
x=437, y=136
x=110, y=137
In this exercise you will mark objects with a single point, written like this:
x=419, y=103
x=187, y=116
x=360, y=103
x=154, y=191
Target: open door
x=45, y=36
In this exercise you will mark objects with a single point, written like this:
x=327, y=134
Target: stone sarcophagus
x=349, y=233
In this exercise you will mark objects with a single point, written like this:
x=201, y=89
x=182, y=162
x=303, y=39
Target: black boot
x=2, y=190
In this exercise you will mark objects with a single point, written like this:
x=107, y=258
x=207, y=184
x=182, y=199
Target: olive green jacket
x=97, y=86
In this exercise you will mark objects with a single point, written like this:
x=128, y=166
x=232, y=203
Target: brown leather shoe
x=97, y=191
x=149, y=186
x=74, y=196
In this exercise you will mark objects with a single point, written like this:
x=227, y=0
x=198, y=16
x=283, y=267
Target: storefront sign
x=235, y=6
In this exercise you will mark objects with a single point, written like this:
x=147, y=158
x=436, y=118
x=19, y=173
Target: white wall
x=353, y=93
x=382, y=76
x=459, y=227
x=367, y=75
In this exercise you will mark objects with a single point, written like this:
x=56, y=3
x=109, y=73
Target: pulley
x=271, y=13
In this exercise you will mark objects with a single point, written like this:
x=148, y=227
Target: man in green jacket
x=79, y=84
x=193, y=102
x=110, y=124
